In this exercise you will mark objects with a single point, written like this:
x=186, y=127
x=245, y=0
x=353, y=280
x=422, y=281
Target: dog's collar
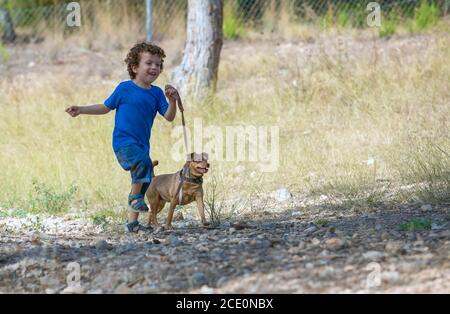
x=188, y=178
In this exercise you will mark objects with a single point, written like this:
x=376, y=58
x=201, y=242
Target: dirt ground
x=314, y=249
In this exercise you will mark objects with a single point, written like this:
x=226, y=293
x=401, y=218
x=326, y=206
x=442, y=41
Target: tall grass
x=334, y=114
x=427, y=15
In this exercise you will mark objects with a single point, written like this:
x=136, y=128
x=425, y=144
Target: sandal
x=139, y=206
x=135, y=227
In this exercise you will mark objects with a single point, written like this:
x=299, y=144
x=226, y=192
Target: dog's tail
x=154, y=164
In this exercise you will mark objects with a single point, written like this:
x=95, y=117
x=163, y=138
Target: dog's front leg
x=201, y=209
x=173, y=204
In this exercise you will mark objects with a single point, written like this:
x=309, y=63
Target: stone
x=426, y=207
x=373, y=255
x=310, y=230
x=390, y=276
x=102, y=245
x=123, y=289
x=217, y=254
x=173, y=240
x=221, y=282
x=282, y=194
x=290, y=238
x=334, y=243
x=202, y=247
x=76, y=289
x=328, y=272
x=301, y=245
x=309, y=266
x=178, y=216
x=198, y=279
x=385, y=236
x=315, y=241
x=394, y=247
x=436, y=226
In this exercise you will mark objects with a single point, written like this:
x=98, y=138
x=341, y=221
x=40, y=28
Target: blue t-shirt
x=136, y=109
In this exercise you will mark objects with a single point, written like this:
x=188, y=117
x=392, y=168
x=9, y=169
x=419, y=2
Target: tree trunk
x=196, y=76
x=8, y=28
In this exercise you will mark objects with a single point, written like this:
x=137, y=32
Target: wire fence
x=33, y=18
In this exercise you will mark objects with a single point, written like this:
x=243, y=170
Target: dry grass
x=335, y=109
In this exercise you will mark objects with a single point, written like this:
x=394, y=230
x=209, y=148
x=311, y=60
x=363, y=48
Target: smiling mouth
x=202, y=170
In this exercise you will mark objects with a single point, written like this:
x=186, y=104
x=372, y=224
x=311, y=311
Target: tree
x=9, y=35
x=196, y=76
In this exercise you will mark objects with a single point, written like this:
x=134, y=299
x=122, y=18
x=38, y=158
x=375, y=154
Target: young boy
x=136, y=102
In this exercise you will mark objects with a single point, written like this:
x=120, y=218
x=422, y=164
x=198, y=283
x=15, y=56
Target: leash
x=180, y=106
x=180, y=186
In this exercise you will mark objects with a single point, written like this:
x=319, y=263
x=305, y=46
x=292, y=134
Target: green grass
x=232, y=26
x=4, y=55
x=415, y=224
x=388, y=28
x=46, y=199
x=322, y=222
x=427, y=15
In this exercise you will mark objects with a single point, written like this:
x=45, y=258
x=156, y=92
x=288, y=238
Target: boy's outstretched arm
x=93, y=109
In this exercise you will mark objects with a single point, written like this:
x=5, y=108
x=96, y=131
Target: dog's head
x=198, y=164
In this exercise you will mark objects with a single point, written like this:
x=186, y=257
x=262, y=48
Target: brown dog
x=180, y=188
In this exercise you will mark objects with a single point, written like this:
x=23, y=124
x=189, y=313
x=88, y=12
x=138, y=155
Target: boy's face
x=148, y=69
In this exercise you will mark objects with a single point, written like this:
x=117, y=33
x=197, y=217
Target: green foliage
x=359, y=18
x=100, y=219
x=427, y=15
x=343, y=18
x=415, y=224
x=326, y=21
x=15, y=213
x=322, y=222
x=13, y=4
x=4, y=55
x=46, y=199
x=388, y=28
x=232, y=29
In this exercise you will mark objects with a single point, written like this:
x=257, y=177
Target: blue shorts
x=135, y=159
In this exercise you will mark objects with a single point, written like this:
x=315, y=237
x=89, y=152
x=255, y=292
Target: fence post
x=149, y=20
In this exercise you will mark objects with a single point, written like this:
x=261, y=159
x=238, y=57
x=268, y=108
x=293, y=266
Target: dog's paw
x=205, y=223
x=168, y=227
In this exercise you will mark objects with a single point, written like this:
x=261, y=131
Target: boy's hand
x=172, y=93
x=73, y=111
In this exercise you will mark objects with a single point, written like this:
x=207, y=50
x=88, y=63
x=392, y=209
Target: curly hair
x=134, y=56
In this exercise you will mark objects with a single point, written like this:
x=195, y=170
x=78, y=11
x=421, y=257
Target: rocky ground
x=318, y=249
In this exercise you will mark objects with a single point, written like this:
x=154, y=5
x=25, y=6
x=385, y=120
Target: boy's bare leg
x=135, y=189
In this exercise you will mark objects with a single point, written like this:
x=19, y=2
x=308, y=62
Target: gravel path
x=322, y=249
